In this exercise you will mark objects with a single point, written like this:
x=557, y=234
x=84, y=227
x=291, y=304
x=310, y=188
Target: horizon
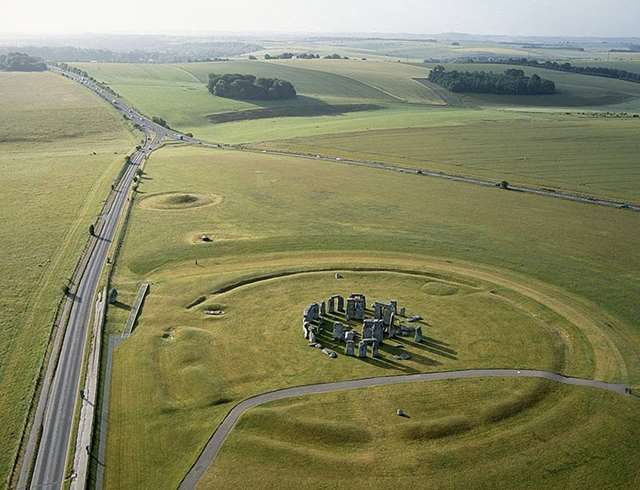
x=538, y=18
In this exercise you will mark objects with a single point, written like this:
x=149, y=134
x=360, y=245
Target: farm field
x=579, y=153
x=60, y=147
x=486, y=431
x=498, y=276
x=178, y=93
x=394, y=79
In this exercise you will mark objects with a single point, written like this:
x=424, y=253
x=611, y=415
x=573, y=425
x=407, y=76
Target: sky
x=604, y=18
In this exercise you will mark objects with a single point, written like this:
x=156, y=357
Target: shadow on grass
x=121, y=305
x=299, y=107
x=431, y=346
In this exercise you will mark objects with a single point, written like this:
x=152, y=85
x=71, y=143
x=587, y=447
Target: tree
x=248, y=87
x=92, y=230
x=511, y=82
x=504, y=185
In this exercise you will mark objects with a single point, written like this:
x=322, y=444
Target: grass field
x=585, y=154
x=52, y=186
x=394, y=79
x=481, y=433
x=509, y=273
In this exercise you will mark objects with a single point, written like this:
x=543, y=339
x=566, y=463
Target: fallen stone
x=332, y=354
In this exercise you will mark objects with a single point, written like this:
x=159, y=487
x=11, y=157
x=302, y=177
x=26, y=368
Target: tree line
x=289, y=56
x=301, y=56
x=21, y=62
x=511, y=82
x=248, y=87
x=596, y=71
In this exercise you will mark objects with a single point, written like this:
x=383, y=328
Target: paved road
x=49, y=439
x=212, y=448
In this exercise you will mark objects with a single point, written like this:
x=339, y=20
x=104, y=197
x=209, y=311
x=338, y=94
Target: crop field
x=487, y=432
x=498, y=277
x=580, y=153
x=60, y=147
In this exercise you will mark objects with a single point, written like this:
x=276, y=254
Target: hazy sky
x=526, y=17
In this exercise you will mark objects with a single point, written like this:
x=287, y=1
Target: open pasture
x=60, y=147
x=579, y=153
x=505, y=291
x=481, y=433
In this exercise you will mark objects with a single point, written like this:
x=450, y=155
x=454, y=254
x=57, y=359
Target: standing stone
x=338, y=331
x=403, y=311
x=394, y=305
x=350, y=336
x=332, y=304
x=350, y=348
x=323, y=308
x=356, y=304
x=378, y=331
x=305, y=329
x=375, y=350
x=367, y=328
x=312, y=312
x=312, y=337
x=362, y=349
x=340, y=304
x=377, y=310
x=418, y=337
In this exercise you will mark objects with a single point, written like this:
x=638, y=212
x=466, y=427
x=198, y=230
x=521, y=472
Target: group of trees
x=289, y=56
x=596, y=71
x=21, y=62
x=248, y=87
x=301, y=56
x=511, y=82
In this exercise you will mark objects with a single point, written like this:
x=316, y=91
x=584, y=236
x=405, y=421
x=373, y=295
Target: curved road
x=214, y=444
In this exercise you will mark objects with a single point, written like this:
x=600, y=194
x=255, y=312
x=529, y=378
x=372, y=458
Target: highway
x=213, y=446
x=49, y=439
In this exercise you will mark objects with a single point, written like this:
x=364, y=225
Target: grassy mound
x=177, y=201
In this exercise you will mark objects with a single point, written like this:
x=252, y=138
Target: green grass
x=450, y=440
x=517, y=263
x=580, y=153
x=52, y=187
